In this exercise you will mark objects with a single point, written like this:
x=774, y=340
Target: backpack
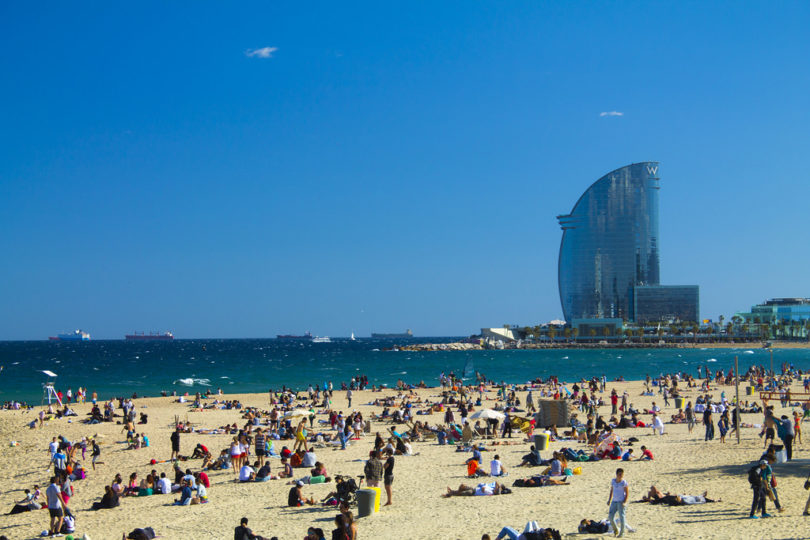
x=754, y=478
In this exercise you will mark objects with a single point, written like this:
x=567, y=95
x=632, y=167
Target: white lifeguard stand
x=48, y=392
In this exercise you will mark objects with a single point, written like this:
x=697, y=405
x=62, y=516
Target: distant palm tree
x=575, y=332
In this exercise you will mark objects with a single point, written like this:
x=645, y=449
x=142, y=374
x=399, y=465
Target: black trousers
x=759, y=501
x=788, y=440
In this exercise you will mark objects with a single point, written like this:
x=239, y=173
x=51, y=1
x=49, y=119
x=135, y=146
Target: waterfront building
x=610, y=246
x=778, y=310
x=665, y=303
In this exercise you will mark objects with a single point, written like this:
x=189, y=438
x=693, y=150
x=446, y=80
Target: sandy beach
x=684, y=464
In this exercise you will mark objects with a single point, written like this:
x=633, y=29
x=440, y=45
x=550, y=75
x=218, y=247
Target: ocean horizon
x=120, y=368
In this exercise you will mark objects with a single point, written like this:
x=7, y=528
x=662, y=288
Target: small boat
x=321, y=339
x=352, y=338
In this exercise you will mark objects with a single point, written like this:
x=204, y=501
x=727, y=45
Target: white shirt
x=309, y=459
x=495, y=467
x=618, y=489
x=484, y=489
x=245, y=472
x=164, y=486
x=53, y=447
x=52, y=494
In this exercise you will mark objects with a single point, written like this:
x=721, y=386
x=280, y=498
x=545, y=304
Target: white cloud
x=264, y=52
x=611, y=113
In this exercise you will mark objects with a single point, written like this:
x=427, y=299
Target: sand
x=683, y=463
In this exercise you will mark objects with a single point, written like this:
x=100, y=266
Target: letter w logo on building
x=652, y=170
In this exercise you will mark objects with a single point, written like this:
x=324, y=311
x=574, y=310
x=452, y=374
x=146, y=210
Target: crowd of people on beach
x=298, y=424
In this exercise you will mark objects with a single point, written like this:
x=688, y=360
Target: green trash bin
x=365, y=502
x=679, y=403
x=749, y=390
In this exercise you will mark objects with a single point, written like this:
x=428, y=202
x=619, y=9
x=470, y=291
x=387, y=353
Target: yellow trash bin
x=377, y=498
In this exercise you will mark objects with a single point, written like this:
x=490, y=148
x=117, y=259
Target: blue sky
x=382, y=166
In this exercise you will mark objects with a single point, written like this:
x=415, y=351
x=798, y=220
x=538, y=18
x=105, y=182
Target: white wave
x=224, y=377
x=14, y=363
x=712, y=360
x=565, y=358
x=192, y=381
x=748, y=352
x=400, y=373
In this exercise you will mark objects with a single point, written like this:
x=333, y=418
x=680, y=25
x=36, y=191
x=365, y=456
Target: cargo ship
x=407, y=334
x=308, y=336
x=77, y=335
x=152, y=336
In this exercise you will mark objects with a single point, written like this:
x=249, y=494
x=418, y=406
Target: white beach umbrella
x=296, y=413
x=487, y=414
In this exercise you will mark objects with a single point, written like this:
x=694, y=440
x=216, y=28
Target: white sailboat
x=352, y=338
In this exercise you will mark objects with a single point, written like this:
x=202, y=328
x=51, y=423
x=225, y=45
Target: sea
x=121, y=368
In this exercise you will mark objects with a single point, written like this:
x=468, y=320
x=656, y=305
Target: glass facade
x=610, y=244
x=666, y=303
x=785, y=310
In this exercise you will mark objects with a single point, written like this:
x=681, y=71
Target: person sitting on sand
x=242, y=532
x=646, y=455
x=109, y=500
x=200, y=451
x=28, y=503
x=246, y=473
x=474, y=470
x=287, y=470
x=296, y=496
x=493, y=488
x=532, y=459
x=185, y=495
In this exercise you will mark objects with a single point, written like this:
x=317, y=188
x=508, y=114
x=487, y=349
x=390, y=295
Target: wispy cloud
x=611, y=113
x=264, y=52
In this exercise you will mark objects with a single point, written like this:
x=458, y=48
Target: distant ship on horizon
x=76, y=335
x=152, y=336
x=308, y=336
x=407, y=334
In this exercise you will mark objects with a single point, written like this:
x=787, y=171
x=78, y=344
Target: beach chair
x=467, y=434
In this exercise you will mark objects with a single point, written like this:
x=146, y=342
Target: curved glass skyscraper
x=610, y=244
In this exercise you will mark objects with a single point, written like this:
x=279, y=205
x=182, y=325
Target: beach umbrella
x=296, y=413
x=487, y=414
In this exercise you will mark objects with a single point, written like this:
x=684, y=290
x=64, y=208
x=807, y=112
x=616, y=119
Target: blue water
x=119, y=368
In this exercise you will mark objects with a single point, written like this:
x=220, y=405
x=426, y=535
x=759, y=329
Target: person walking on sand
x=56, y=505
x=349, y=394
x=758, y=488
x=95, y=454
x=617, y=502
x=709, y=423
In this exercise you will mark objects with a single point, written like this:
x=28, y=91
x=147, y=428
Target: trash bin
x=365, y=502
x=367, y=428
x=749, y=390
x=679, y=403
x=541, y=441
x=377, y=498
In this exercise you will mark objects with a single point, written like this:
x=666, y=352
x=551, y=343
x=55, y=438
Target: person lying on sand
x=493, y=488
x=654, y=496
x=541, y=480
